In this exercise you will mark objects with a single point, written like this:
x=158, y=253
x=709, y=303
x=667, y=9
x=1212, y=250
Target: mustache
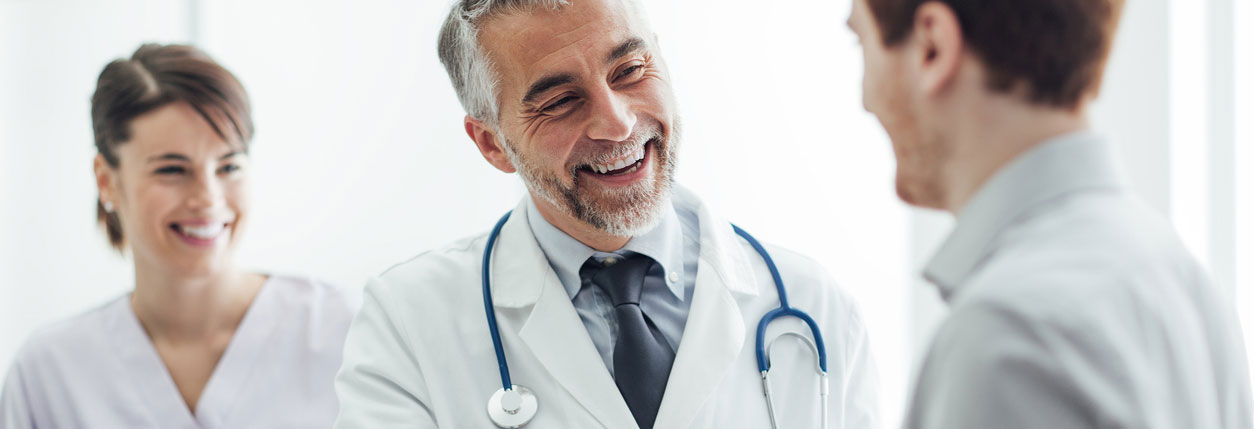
x=591, y=153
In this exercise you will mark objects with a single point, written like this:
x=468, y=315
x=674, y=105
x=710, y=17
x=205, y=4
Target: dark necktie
x=642, y=357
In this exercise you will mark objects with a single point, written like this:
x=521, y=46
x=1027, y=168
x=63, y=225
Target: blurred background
x=360, y=160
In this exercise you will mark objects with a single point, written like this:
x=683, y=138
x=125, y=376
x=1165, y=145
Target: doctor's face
x=179, y=192
x=888, y=93
x=586, y=112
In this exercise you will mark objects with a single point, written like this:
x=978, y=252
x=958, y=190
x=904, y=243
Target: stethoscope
x=513, y=406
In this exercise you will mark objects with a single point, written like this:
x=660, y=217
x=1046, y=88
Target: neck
x=578, y=229
x=987, y=136
x=173, y=307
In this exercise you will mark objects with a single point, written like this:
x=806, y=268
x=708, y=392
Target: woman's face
x=179, y=192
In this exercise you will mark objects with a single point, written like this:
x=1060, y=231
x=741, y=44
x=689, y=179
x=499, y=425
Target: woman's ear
x=106, y=183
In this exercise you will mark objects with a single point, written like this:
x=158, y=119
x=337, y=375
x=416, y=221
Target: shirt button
x=674, y=277
x=609, y=261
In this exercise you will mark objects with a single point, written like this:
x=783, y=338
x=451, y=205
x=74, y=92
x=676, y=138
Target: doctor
x=620, y=301
x=1072, y=303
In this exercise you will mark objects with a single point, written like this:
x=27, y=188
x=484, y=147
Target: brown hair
x=1058, y=48
x=155, y=76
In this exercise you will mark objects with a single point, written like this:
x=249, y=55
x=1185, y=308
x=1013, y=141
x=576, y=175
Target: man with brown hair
x=1072, y=303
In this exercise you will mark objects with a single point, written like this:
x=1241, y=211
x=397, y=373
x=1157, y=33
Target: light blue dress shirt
x=674, y=244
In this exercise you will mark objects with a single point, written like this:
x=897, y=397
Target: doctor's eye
x=558, y=105
x=629, y=72
x=229, y=168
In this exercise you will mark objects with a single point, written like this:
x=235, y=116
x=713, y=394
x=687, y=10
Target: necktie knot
x=621, y=278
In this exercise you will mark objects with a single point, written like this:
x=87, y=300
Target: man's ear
x=941, y=48
x=489, y=145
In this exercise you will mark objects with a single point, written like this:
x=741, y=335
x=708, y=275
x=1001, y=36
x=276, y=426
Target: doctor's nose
x=610, y=117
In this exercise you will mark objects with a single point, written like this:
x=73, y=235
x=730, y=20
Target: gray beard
x=631, y=212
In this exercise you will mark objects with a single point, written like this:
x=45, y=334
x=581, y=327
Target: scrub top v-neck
x=100, y=369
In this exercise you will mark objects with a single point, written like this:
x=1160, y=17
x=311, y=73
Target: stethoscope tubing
x=784, y=310
x=502, y=366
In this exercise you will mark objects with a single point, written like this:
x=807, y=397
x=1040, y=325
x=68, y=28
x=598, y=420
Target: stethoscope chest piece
x=512, y=408
x=516, y=406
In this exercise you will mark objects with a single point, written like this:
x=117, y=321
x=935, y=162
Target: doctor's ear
x=939, y=47
x=489, y=145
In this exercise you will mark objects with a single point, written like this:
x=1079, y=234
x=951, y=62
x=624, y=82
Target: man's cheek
x=872, y=96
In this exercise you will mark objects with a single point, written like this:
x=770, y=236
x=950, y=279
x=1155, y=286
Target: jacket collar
x=720, y=255
x=517, y=255
x=535, y=309
x=664, y=244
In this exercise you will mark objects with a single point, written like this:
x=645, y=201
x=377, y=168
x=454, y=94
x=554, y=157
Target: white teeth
x=622, y=163
x=203, y=232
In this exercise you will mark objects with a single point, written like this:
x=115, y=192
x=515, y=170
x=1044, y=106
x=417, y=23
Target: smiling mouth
x=624, y=165
x=210, y=231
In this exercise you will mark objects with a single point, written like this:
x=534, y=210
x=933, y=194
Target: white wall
x=777, y=138
x=1245, y=173
x=53, y=262
x=360, y=160
x=360, y=140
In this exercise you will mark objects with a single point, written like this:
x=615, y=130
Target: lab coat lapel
x=551, y=330
x=715, y=332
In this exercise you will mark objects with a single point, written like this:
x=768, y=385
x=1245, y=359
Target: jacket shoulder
x=430, y=270
x=805, y=278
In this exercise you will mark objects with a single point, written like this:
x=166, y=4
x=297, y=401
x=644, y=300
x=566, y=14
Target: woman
x=199, y=342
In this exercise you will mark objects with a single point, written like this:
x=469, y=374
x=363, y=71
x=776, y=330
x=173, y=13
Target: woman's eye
x=170, y=170
x=230, y=168
x=558, y=103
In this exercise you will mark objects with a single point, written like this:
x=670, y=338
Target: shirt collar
x=664, y=244
x=1068, y=163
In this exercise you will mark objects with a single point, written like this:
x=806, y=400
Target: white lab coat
x=419, y=354
x=100, y=370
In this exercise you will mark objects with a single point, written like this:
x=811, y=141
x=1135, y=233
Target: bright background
x=360, y=160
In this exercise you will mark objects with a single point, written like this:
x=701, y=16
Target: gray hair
x=468, y=66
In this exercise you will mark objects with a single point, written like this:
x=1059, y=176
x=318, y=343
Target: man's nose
x=611, y=117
